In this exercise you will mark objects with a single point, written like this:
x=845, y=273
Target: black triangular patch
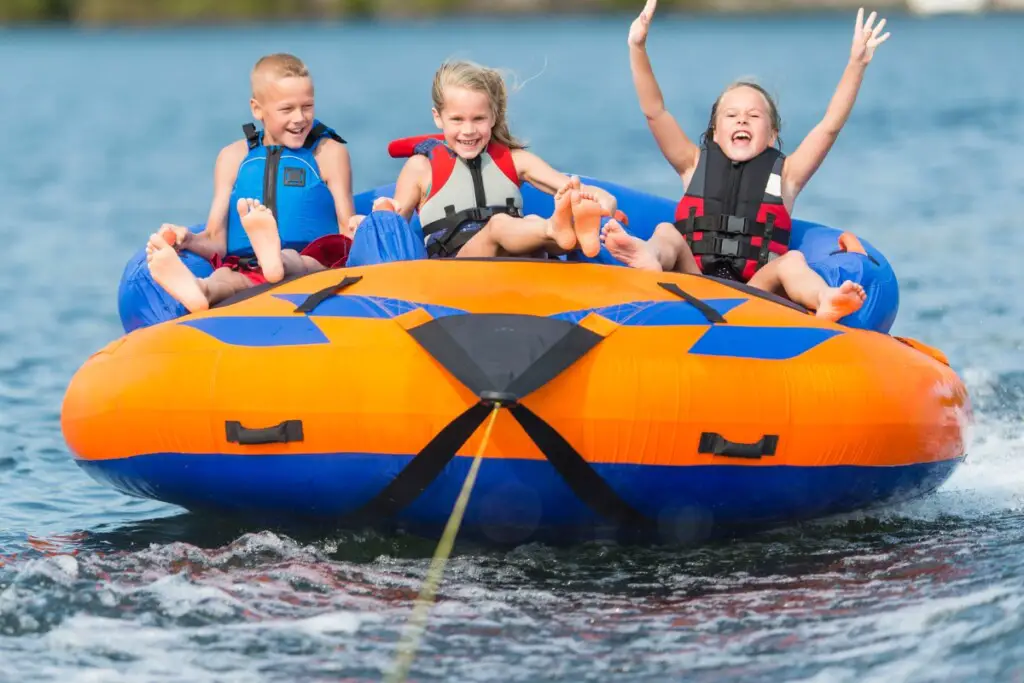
x=504, y=353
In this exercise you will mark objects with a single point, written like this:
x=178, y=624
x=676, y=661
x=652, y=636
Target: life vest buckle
x=734, y=225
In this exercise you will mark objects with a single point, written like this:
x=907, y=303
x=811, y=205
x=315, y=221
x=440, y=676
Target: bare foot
x=560, y=224
x=586, y=216
x=836, y=302
x=632, y=251
x=173, y=275
x=261, y=228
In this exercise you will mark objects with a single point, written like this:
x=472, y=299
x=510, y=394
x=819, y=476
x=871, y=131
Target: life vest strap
x=317, y=132
x=712, y=245
x=451, y=240
x=733, y=225
x=252, y=136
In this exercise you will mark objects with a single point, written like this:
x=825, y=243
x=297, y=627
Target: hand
x=866, y=38
x=642, y=24
x=353, y=225
x=181, y=235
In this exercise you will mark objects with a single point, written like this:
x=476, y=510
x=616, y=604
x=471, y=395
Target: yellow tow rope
x=417, y=623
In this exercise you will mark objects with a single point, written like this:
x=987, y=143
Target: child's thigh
x=228, y=278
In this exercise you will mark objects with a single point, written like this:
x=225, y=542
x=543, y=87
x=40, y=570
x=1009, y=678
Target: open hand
x=642, y=24
x=866, y=38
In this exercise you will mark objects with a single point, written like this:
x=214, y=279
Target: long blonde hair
x=472, y=76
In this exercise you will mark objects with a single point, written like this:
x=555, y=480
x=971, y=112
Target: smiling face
x=285, y=106
x=466, y=120
x=745, y=123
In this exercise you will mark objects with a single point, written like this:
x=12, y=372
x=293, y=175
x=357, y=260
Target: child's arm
x=411, y=184
x=336, y=170
x=802, y=164
x=214, y=237
x=678, y=149
x=539, y=173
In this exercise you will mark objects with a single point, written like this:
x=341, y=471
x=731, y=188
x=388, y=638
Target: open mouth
x=741, y=136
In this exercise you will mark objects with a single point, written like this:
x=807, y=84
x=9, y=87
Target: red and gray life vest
x=732, y=214
x=464, y=193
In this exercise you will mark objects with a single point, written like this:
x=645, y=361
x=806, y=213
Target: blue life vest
x=288, y=182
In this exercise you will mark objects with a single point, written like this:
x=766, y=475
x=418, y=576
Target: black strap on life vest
x=254, y=138
x=452, y=240
x=502, y=358
x=729, y=237
x=318, y=132
x=730, y=225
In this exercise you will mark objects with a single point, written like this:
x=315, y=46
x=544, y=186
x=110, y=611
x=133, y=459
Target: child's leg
x=505, y=234
x=261, y=228
x=299, y=264
x=790, y=275
x=667, y=249
x=173, y=275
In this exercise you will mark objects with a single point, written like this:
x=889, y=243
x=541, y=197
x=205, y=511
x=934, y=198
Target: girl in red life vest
x=734, y=221
x=465, y=183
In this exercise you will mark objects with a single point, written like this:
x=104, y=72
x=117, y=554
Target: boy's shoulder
x=238, y=149
x=329, y=146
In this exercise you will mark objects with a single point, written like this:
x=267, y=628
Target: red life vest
x=732, y=214
x=462, y=190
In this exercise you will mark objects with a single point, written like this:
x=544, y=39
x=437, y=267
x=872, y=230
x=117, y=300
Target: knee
x=791, y=259
x=668, y=233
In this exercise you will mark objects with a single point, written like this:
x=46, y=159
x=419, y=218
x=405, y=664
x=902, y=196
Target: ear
x=773, y=139
x=257, y=110
x=437, y=118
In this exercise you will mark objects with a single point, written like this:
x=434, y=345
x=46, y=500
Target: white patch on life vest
x=774, y=186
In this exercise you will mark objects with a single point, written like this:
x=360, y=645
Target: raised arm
x=678, y=149
x=803, y=163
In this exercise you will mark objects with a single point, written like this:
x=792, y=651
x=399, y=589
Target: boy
x=296, y=169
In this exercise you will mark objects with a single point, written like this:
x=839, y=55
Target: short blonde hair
x=275, y=67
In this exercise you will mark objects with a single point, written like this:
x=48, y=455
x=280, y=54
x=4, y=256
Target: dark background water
x=109, y=133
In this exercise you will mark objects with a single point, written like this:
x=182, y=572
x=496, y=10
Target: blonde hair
x=275, y=67
x=773, y=111
x=472, y=76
